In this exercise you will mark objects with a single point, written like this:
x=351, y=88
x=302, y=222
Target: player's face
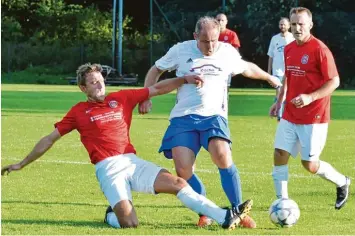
x=301, y=25
x=222, y=20
x=95, y=87
x=207, y=40
x=284, y=26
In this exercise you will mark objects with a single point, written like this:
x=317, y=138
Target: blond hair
x=84, y=70
x=297, y=10
x=206, y=20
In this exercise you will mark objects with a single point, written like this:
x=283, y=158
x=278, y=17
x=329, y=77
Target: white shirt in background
x=276, y=51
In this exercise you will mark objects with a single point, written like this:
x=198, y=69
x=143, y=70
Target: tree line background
x=51, y=38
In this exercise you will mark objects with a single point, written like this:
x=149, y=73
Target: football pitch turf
x=59, y=194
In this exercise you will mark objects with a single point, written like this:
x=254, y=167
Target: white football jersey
x=211, y=99
x=276, y=51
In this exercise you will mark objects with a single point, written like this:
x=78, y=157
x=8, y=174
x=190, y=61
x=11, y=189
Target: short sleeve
x=270, y=52
x=235, y=41
x=170, y=60
x=327, y=63
x=67, y=124
x=237, y=63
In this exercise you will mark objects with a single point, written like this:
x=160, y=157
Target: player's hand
x=145, y=107
x=194, y=79
x=302, y=100
x=274, y=109
x=8, y=169
x=274, y=81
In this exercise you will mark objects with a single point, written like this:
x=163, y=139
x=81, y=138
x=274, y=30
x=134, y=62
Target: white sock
x=112, y=220
x=200, y=204
x=326, y=171
x=280, y=176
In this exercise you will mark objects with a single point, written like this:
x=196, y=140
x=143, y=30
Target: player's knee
x=184, y=172
x=311, y=166
x=129, y=223
x=179, y=183
x=280, y=157
x=222, y=158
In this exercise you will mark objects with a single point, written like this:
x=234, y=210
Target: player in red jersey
x=226, y=35
x=103, y=122
x=310, y=78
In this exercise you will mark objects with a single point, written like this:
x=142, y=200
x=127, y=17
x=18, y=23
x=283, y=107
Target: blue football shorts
x=194, y=132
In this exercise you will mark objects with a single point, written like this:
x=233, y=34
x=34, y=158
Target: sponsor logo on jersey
x=113, y=104
x=304, y=59
x=206, y=69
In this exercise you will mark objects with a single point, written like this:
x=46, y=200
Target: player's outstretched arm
x=151, y=78
x=168, y=85
x=255, y=72
x=39, y=149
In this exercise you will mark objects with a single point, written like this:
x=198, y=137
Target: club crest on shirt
x=226, y=38
x=113, y=104
x=304, y=59
x=206, y=69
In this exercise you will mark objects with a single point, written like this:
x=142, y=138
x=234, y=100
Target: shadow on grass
x=4, y=202
x=91, y=224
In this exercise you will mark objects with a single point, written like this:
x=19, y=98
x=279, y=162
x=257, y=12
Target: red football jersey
x=104, y=126
x=229, y=36
x=308, y=67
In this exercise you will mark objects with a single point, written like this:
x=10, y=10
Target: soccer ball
x=284, y=212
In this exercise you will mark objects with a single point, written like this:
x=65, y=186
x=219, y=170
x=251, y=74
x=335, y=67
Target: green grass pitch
x=59, y=193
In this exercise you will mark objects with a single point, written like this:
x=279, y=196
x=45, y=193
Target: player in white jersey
x=276, y=63
x=199, y=117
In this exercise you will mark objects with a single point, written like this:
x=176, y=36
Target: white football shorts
x=309, y=140
x=121, y=174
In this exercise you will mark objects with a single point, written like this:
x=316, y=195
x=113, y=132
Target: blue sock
x=197, y=185
x=231, y=184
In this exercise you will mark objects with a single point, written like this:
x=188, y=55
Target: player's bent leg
x=329, y=173
x=280, y=172
x=123, y=215
x=311, y=166
x=165, y=182
x=184, y=159
x=229, y=219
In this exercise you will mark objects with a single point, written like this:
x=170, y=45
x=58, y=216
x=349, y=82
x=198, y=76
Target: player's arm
x=282, y=93
x=152, y=76
x=327, y=89
x=39, y=149
x=271, y=55
x=255, y=72
x=269, y=65
x=168, y=85
x=329, y=72
x=274, y=109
